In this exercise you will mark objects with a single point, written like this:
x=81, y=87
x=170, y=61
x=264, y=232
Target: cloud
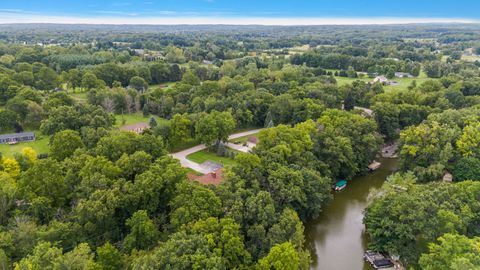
x=119, y=18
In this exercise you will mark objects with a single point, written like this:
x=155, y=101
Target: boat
x=378, y=260
x=340, y=185
x=374, y=166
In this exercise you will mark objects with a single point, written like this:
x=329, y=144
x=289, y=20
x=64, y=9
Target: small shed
x=447, y=177
x=17, y=137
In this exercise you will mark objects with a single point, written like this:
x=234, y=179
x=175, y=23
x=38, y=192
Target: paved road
x=182, y=155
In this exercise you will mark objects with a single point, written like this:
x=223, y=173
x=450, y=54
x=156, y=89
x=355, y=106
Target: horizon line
x=8, y=18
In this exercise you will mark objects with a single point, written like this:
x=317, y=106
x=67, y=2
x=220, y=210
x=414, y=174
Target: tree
x=281, y=257
x=467, y=169
x=65, y=143
x=46, y=79
x=90, y=81
x=152, y=122
x=138, y=83
x=45, y=179
x=469, y=142
x=456, y=252
x=207, y=244
x=193, y=202
x=215, y=127
x=109, y=258
x=143, y=232
x=11, y=167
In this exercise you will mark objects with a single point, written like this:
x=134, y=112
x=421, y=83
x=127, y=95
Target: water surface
x=337, y=237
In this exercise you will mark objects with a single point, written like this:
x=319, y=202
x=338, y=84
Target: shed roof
x=16, y=135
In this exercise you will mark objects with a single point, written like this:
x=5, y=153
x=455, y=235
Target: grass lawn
x=204, y=155
x=80, y=97
x=470, y=58
x=167, y=86
x=403, y=83
x=40, y=146
x=134, y=118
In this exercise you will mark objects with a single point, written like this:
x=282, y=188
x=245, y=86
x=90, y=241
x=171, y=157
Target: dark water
x=337, y=238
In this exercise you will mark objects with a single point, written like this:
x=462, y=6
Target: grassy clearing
x=204, y=155
x=470, y=58
x=80, y=97
x=403, y=83
x=163, y=86
x=134, y=118
x=40, y=146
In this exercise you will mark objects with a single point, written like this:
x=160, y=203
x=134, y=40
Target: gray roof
x=16, y=135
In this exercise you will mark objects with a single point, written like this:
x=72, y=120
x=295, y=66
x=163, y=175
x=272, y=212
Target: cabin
x=17, y=137
x=137, y=128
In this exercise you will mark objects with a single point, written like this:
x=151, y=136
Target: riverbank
x=337, y=238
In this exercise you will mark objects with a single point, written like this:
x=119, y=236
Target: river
x=337, y=238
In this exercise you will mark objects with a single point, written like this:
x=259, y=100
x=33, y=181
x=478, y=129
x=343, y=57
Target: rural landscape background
x=221, y=135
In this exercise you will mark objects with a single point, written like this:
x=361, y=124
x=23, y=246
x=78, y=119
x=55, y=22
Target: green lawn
x=134, y=118
x=403, y=83
x=202, y=156
x=40, y=146
x=470, y=58
x=80, y=97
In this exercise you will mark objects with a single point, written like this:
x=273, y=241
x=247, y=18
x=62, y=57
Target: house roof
x=213, y=178
x=16, y=135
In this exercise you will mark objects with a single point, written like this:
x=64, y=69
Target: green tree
x=143, y=232
x=64, y=144
x=193, y=202
x=109, y=258
x=138, y=83
x=282, y=256
x=452, y=252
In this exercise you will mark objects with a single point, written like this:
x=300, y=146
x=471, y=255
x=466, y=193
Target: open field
x=403, y=83
x=134, y=118
x=204, y=155
x=40, y=146
x=471, y=58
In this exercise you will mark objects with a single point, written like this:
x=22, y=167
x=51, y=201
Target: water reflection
x=337, y=237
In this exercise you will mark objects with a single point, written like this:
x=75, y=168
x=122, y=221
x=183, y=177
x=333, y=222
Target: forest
x=87, y=194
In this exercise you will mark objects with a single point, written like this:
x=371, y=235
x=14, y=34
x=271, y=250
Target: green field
x=204, y=155
x=134, y=118
x=470, y=58
x=403, y=83
x=40, y=146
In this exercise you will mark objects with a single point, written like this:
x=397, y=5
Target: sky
x=268, y=12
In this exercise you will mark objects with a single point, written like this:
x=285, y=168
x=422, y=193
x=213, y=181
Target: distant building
x=447, y=177
x=381, y=79
x=403, y=75
x=137, y=128
x=17, y=137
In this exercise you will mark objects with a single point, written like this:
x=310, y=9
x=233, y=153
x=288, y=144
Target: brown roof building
x=213, y=178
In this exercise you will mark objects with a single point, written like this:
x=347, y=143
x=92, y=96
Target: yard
x=204, y=155
x=40, y=146
x=134, y=118
x=403, y=83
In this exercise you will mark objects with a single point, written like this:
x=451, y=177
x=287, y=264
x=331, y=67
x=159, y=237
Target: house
x=17, y=137
x=381, y=79
x=403, y=75
x=447, y=177
x=137, y=128
x=213, y=178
